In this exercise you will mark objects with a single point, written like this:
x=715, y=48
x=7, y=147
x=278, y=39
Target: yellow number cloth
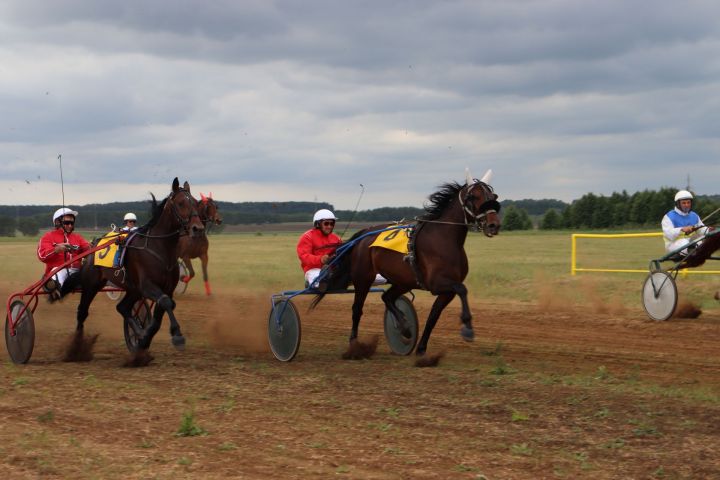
x=396, y=240
x=105, y=257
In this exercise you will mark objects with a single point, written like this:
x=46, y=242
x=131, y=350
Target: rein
x=182, y=231
x=479, y=220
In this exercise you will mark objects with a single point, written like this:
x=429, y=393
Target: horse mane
x=156, y=210
x=440, y=200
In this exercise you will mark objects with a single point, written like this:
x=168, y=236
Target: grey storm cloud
x=295, y=98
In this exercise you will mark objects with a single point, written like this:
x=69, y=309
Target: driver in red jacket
x=59, y=246
x=316, y=246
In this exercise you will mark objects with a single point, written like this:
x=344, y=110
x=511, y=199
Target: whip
x=62, y=183
x=362, y=190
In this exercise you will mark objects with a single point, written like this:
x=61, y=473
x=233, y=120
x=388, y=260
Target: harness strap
x=411, y=258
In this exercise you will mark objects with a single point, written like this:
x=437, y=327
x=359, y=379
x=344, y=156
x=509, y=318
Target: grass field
x=516, y=266
x=567, y=378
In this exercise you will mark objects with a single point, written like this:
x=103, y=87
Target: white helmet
x=129, y=216
x=683, y=195
x=323, y=214
x=61, y=212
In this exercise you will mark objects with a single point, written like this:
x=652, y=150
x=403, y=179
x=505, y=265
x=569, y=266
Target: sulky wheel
x=20, y=346
x=142, y=316
x=181, y=286
x=115, y=295
x=284, y=335
x=397, y=342
x=659, y=295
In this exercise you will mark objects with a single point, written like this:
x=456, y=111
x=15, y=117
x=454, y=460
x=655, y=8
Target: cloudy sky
x=307, y=100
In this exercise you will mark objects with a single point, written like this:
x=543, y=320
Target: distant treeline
x=619, y=210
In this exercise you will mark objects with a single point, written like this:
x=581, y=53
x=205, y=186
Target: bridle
x=203, y=208
x=183, y=230
x=490, y=205
x=184, y=222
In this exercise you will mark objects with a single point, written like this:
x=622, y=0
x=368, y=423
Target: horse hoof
x=467, y=334
x=178, y=342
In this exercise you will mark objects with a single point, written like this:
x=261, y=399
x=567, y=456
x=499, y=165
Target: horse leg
x=152, y=329
x=357, y=309
x=204, y=261
x=389, y=297
x=178, y=340
x=163, y=303
x=466, y=331
x=91, y=281
x=191, y=271
x=79, y=348
x=124, y=308
x=439, y=305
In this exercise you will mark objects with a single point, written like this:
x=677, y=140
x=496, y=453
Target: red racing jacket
x=313, y=245
x=46, y=249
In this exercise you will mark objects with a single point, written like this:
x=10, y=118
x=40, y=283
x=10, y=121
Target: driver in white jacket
x=681, y=225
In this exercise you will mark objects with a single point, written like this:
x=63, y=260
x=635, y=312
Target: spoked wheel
x=284, y=335
x=659, y=295
x=181, y=286
x=20, y=346
x=397, y=342
x=142, y=316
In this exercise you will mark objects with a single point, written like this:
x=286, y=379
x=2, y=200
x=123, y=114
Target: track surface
x=544, y=392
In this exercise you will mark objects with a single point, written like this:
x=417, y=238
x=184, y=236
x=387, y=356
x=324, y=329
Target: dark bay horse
x=194, y=247
x=150, y=269
x=440, y=264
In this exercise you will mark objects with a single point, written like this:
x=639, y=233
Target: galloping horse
x=151, y=268
x=436, y=260
x=194, y=247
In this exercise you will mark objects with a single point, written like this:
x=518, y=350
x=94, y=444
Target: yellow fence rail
x=573, y=254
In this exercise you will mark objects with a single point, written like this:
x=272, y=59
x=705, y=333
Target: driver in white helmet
x=59, y=246
x=130, y=222
x=681, y=225
x=316, y=246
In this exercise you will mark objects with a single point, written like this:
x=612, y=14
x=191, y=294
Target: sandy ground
x=547, y=390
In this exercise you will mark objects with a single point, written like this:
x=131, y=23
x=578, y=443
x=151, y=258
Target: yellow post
x=573, y=254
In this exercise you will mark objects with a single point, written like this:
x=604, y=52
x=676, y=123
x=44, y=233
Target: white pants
x=63, y=274
x=312, y=274
x=679, y=243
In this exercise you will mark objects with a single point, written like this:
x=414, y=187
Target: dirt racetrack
x=543, y=392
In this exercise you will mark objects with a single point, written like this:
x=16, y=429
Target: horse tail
x=340, y=276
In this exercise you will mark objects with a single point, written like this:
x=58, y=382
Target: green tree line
x=643, y=209
x=619, y=210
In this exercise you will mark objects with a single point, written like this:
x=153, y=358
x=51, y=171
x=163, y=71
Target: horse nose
x=493, y=228
x=197, y=229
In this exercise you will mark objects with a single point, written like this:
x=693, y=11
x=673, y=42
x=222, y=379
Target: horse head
x=184, y=209
x=480, y=205
x=208, y=210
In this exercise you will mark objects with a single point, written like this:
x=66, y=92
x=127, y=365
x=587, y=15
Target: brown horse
x=436, y=262
x=150, y=269
x=194, y=247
